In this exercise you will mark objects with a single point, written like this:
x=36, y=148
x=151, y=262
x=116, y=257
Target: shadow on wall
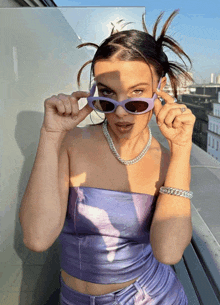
x=46, y=287
x=40, y=271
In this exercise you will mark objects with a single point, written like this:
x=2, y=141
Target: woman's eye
x=105, y=91
x=138, y=91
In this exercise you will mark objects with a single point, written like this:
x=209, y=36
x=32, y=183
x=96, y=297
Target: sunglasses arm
x=92, y=91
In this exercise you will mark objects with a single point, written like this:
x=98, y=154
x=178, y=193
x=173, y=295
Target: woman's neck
x=130, y=148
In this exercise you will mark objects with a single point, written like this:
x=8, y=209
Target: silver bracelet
x=174, y=191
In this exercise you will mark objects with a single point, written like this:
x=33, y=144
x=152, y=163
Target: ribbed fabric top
x=105, y=238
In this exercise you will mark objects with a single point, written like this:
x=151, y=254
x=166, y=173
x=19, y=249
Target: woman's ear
x=163, y=82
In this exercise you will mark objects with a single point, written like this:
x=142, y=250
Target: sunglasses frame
x=150, y=101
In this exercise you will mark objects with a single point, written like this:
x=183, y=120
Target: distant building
x=206, y=89
x=183, y=87
x=212, y=78
x=213, y=133
x=200, y=101
x=218, y=79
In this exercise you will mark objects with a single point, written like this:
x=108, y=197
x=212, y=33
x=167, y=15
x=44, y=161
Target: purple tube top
x=105, y=238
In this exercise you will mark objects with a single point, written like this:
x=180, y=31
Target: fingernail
x=159, y=124
x=158, y=90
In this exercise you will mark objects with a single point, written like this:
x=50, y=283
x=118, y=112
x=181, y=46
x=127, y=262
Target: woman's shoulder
x=80, y=135
x=91, y=135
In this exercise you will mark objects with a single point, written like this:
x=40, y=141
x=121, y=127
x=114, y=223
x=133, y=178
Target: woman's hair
x=137, y=45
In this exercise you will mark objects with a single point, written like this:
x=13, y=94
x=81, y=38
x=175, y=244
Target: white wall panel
x=38, y=59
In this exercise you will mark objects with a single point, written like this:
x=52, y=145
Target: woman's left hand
x=175, y=125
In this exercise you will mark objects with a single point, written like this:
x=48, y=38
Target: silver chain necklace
x=113, y=149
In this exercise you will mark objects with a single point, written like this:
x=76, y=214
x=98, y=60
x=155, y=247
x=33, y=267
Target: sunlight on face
x=121, y=75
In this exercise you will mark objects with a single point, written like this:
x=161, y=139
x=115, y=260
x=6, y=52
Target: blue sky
x=196, y=28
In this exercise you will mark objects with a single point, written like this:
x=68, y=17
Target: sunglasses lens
x=136, y=106
x=107, y=106
x=103, y=105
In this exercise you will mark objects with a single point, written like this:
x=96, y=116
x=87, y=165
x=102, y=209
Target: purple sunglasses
x=137, y=105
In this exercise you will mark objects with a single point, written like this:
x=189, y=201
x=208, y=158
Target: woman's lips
x=123, y=124
x=124, y=128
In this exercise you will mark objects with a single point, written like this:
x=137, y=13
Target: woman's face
x=120, y=80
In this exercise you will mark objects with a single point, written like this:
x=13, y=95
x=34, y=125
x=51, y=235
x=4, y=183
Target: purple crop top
x=105, y=238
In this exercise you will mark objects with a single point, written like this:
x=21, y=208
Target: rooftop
x=199, y=106
x=204, y=85
x=197, y=95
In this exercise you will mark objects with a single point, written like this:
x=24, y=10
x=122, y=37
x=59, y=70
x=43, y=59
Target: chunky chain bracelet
x=177, y=192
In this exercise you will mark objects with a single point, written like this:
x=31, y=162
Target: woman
x=118, y=200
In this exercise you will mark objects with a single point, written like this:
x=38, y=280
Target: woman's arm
x=42, y=203
x=171, y=227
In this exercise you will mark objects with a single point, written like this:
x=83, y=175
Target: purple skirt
x=146, y=290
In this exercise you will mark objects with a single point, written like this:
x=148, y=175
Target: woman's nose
x=122, y=97
x=120, y=110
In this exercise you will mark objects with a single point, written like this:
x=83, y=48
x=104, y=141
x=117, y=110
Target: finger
x=66, y=102
x=186, y=119
x=58, y=103
x=157, y=106
x=84, y=112
x=75, y=96
x=167, y=98
x=74, y=105
x=172, y=114
x=172, y=108
x=80, y=94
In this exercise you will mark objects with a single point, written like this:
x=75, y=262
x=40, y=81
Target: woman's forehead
x=122, y=70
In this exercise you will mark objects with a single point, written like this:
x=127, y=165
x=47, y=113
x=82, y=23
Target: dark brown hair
x=137, y=45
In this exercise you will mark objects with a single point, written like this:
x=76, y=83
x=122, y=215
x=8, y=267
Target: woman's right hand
x=62, y=111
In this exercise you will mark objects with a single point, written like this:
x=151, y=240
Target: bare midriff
x=92, y=288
